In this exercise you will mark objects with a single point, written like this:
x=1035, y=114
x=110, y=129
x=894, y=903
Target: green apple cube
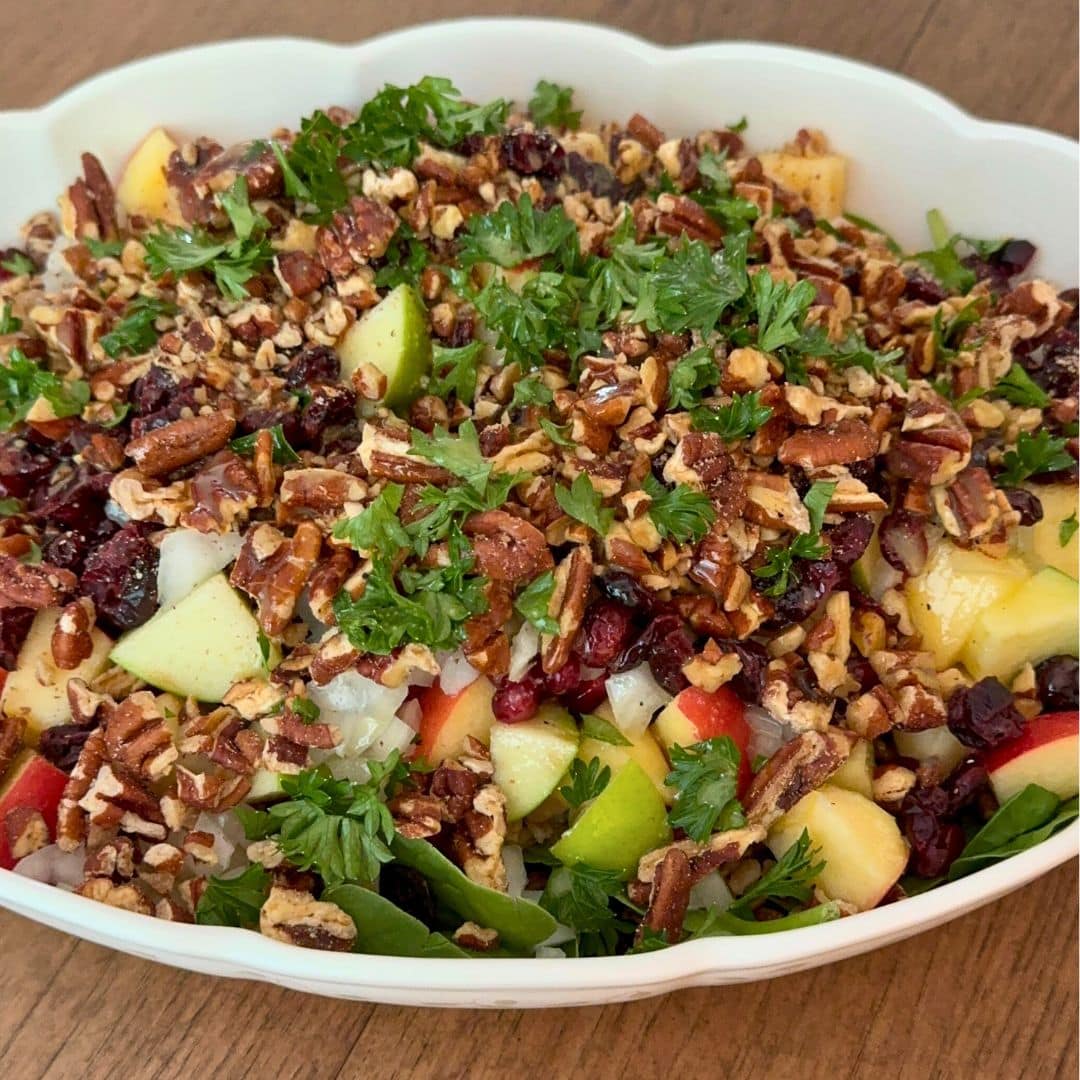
x=626, y=820
x=200, y=647
x=531, y=758
x=393, y=337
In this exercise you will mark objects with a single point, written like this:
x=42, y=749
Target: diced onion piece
x=359, y=706
x=516, y=877
x=54, y=866
x=397, y=735
x=767, y=734
x=635, y=696
x=523, y=650
x=188, y=558
x=411, y=714
x=228, y=836
x=455, y=673
x=711, y=892
x=548, y=952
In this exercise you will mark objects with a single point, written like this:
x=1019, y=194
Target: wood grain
x=991, y=995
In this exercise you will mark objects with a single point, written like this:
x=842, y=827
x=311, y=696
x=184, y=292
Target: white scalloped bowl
x=909, y=150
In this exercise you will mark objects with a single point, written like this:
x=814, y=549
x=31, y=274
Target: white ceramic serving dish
x=909, y=150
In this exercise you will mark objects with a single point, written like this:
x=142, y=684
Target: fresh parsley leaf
x=780, y=561
x=310, y=166
x=377, y=528
x=455, y=370
x=615, y=282
x=136, y=333
x=866, y=223
x=650, y=940
x=713, y=923
x=18, y=264
x=404, y=261
x=532, y=603
x=714, y=195
x=458, y=454
x=10, y=506
x=120, y=412
x=596, y=727
x=1033, y=454
x=739, y=419
x=552, y=106
x=691, y=376
x=232, y=263
x=780, y=310
x=284, y=454
x=1067, y=529
x=739, y=126
x=816, y=501
x=1017, y=387
x=555, y=433
x=705, y=777
x=512, y=234
x=679, y=513
x=22, y=382
x=579, y=897
x=103, y=249
x=245, y=221
x=450, y=506
x=305, y=708
x=584, y=503
x=264, y=648
x=8, y=323
x=586, y=781
x=530, y=391
x=791, y=878
x=943, y=260
x=234, y=901
x=854, y=352
x=947, y=335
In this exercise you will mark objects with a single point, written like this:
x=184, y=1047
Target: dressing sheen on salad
x=449, y=530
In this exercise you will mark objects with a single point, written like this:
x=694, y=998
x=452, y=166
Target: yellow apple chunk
x=861, y=844
x=857, y=773
x=644, y=750
x=821, y=181
x=1041, y=543
x=142, y=189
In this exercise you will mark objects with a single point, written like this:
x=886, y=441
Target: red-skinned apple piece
x=445, y=719
x=695, y=715
x=31, y=781
x=1044, y=753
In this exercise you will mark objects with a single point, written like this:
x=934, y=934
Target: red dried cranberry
x=77, y=504
x=121, y=578
x=608, y=626
x=314, y=364
x=848, y=540
x=22, y=468
x=565, y=680
x=665, y=645
x=1027, y=505
x=1051, y=360
x=1015, y=256
x=257, y=419
x=532, y=152
x=153, y=390
x=463, y=332
x=1057, y=679
x=14, y=626
x=935, y=842
x=984, y=715
x=804, y=218
x=516, y=701
x=750, y=682
x=66, y=550
x=586, y=696
x=628, y=591
x=904, y=545
x=595, y=178
x=964, y=785
x=920, y=287
x=181, y=398
x=330, y=406
x=62, y=745
x=812, y=583
x=860, y=669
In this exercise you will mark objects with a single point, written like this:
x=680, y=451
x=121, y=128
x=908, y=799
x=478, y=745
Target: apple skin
x=695, y=715
x=1044, y=753
x=445, y=719
x=31, y=781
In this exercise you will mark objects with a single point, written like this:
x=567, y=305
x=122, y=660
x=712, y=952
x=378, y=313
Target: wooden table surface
x=994, y=994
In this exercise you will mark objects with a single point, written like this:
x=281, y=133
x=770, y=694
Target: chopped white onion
x=58, y=274
x=767, y=733
x=54, y=866
x=410, y=713
x=711, y=892
x=523, y=650
x=516, y=877
x=189, y=557
x=635, y=696
x=228, y=836
x=547, y=952
x=359, y=706
x=455, y=672
x=397, y=735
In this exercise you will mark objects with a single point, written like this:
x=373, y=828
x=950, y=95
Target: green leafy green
x=780, y=310
x=596, y=727
x=704, y=777
x=136, y=332
x=585, y=504
x=1067, y=529
x=310, y=165
x=8, y=323
x=947, y=335
x=305, y=708
x=739, y=419
x=284, y=454
x=103, y=249
x=404, y=261
x=780, y=561
x=1033, y=454
x=552, y=106
x=1017, y=387
x=866, y=223
x=377, y=527
x=9, y=506
x=455, y=370
x=691, y=376
x=22, y=382
x=616, y=282
x=532, y=603
x=943, y=260
x=237, y=206
x=714, y=923
x=714, y=194
x=854, y=352
x=579, y=897
x=586, y=781
x=679, y=513
x=555, y=433
x=791, y=878
x=458, y=454
x=530, y=391
x=512, y=234
x=18, y=264
x=232, y=262
x=234, y=901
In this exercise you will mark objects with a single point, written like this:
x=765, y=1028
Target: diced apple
x=30, y=781
x=695, y=715
x=142, y=189
x=393, y=337
x=531, y=757
x=644, y=750
x=956, y=585
x=857, y=772
x=862, y=846
x=37, y=688
x=1041, y=543
x=870, y=572
x=1044, y=753
x=626, y=820
x=934, y=744
x=821, y=181
x=446, y=719
x=1026, y=626
x=201, y=647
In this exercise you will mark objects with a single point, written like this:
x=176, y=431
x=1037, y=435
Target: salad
x=449, y=530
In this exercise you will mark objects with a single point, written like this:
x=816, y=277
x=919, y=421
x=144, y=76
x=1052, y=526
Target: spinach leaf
x=520, y=923
x=713, y=923
x=384, y=929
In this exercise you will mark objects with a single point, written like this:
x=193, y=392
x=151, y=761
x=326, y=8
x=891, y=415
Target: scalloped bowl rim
x=531, y=982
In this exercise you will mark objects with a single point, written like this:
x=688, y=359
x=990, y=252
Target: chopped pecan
x=91, y=203
x=670, y=896
x=772, y=500
x=680, y=215
x=317, y=492
x=129, y=896
x=477, y=843
x=70, y=817
x=222, y=493
x=113, y=859
x=161, y=863
x=971, y=507
x=255, y=161
x=26, y=831
x=167, y=448
x=417, y=817
x=71, y=641
x=213, y=792
x=720, y=849
x=326, y=582
x=236, y=747
x=290, y=724
x=137, y=736
x=116, y=798
x=934, y=445
x=701, y=461
x=24, y=585
x=477, y=938
x=487, y=647
x=506, y=547
x=573, y=577
x=11, y=738
x=841, y=443
x=297, y=918
x=299, y=273
x=273, y=570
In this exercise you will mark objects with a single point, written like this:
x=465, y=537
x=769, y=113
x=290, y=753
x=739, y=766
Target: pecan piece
x=670, y=896
x=136, y=735
x=70, y=817
x=11, y=737
x=299, y=273
x=934, y=444
x=26, y=831
x=23, y=585
x=833, y=444
x=71, y=641
x=417, y=817
x=567, y=605
x=297, y=918
x=487, y=647
x=129, y=896
x=506, y=547
x=180, y=443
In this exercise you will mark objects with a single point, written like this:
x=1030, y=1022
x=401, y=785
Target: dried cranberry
x=750, y=682
x=330, y=406
x=565, y=680
x=861, y=670
x=665, y=645
x=66, y=550
x=811, y=583
x=848, y=540
x=516, y=701
x=182, y=397
x=314, y=364
x=920, y=287
x=628, y=591
x=608, y=626
x=1025, y=504
x=22, y=468
x=121, y=578
x=78, y=503
x=533, y=152
x=257, y=419
x=409, y=890
x=586, y=696
x=153, y=390
x=1051, y=360
x=804, y=218
x=14, y=626
x=1015, y=256
x=904, y=544
x=965, y=784
x=62, y=745
x=1057, y=679
x=982, y=448
x=935, y=842
x=984, y=715
x=595, y=178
